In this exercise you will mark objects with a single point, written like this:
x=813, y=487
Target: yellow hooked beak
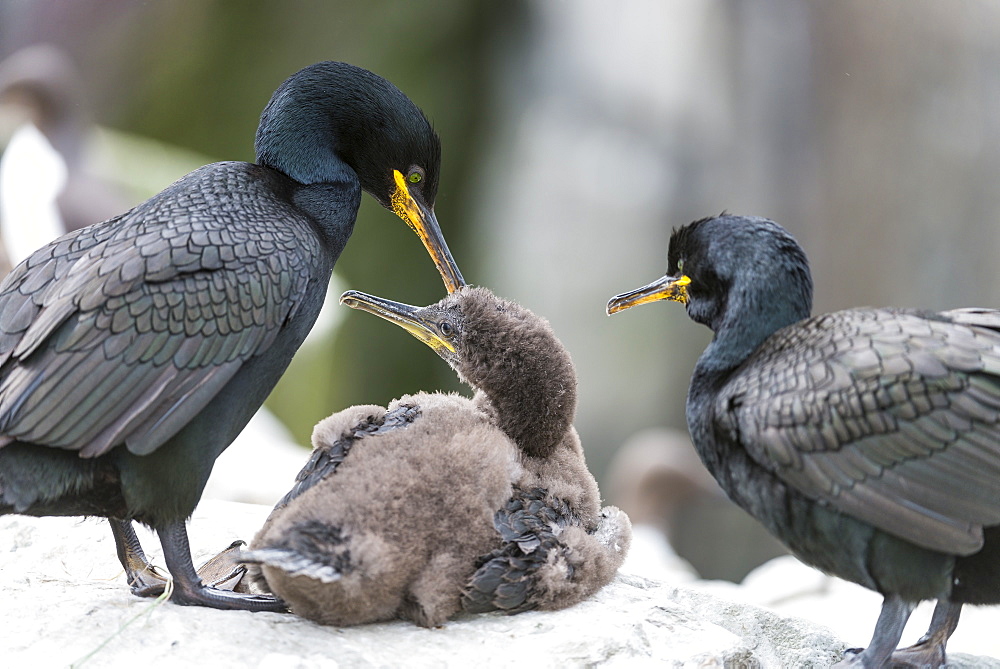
x=665, y=288
x=423, y=221
x=405, y=316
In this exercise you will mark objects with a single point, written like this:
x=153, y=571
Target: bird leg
x=142, y=576
x=888, y=629
x=224, y=571
x=188, y=587
x=929, y=651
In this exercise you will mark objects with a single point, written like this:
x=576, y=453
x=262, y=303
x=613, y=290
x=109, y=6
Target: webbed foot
x=929, y=651
x=225, y=571
x=143, y=578
x=891, y=621
x=919, y=656
x=188, y=587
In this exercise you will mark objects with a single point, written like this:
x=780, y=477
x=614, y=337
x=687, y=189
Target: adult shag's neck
x=745, y=326
x=304, y=159
x=295, y=139
x=333, y=207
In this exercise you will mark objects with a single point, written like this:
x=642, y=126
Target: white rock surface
x=65, y=603
x=790, y=588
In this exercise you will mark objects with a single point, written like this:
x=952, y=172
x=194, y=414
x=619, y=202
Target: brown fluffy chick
x=441, y=503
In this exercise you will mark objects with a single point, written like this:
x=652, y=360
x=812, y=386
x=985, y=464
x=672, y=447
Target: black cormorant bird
x=867, y=440
x=132, y=352
x=441, y=503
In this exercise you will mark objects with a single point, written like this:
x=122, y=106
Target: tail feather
x=293, y=563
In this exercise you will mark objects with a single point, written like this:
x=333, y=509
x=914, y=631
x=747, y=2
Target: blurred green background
x=576, y=135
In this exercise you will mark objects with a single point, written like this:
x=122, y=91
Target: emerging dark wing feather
x=507, y=578
x=327, y=458
x=121, y=332
x=889, y=416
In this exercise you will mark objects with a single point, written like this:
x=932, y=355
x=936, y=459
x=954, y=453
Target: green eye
x=414, y=178
x=680, y=266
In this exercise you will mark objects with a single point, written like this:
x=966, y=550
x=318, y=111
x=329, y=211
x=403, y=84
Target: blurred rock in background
x=658, y=480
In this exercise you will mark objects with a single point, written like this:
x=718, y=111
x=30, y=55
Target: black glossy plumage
x=133, y=352
x=867, y=440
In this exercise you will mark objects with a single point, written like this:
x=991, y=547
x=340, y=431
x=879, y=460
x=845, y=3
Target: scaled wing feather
x=882, y=415
x=123, y=331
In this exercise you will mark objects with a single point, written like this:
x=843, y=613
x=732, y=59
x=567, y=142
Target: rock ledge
x=65, y=601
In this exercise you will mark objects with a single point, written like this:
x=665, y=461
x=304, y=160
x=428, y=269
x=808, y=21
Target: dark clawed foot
x=923, y=654
x=852, y=658
x=142, y=576
x=929, y=650
x=226, y=600
x=188, y=587
x=146, y=581
x=891, y=621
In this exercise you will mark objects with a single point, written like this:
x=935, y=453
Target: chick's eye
x=415, y=177
x=680, y=266
x=446, y=328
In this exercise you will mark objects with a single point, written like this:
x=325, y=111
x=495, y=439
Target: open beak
x=405, y=316
x=421, y=218
x=672, y=288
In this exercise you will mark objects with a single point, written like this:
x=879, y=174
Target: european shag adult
x=440, y=503
x=867, y=440
x=133, y=352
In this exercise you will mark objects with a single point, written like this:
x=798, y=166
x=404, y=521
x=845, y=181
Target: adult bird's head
x=501, y=349
x=334, y=120
x=732, y=272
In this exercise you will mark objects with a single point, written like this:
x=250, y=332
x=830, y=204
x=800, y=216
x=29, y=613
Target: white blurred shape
x=32, y=174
